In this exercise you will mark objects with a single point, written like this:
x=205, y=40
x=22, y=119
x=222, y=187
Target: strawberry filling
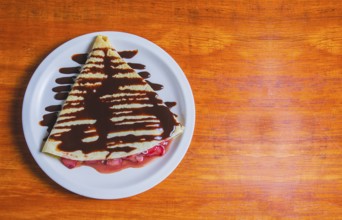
x=117, y=164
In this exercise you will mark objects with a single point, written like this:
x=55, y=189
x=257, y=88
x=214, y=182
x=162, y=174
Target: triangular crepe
x=111, y=112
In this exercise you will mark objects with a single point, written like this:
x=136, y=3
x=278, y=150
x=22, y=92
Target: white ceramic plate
x=85, y=180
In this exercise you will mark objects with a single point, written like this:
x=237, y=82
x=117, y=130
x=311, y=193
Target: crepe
x=111, y=112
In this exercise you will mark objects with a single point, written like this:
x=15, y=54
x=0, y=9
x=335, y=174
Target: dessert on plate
x=112, y=118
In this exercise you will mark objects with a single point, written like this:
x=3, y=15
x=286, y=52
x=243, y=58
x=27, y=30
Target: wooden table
x=267, y=82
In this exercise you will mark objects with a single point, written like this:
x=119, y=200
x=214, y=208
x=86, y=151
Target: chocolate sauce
x=136, y=66
x=62, y=88
x=100, y=112
x=155, y=86
x=65, y=80
x=80, y=58
x=170, y=104
x=128, y=53
x=61, y=95
x=71, y=141
x=70, y=70
x=144, y=74
x=53, y=108
x=47, y=118
x=125, y=149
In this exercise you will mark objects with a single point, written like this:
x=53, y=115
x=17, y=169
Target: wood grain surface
x=267, y=82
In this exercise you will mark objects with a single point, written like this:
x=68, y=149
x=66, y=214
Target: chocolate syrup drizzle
x=101, y=111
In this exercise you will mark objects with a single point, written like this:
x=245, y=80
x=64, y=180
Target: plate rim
x=178, y=74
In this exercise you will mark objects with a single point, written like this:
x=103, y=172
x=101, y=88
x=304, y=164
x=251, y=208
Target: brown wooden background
x=267, y=81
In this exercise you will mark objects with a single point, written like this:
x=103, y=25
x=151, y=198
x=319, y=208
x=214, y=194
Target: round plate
x=85, y=180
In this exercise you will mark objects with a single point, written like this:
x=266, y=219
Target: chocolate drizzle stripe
x=62, y=88
x=65, y=80
x=144, y=74
x=170, y=104
x=155, y=86
x=137, y=66
x=70, y=70
x=128, y=53
x=126, y=149
x=53, y=108
x=61, y=95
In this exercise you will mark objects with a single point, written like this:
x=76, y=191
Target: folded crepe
x=111, y=112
